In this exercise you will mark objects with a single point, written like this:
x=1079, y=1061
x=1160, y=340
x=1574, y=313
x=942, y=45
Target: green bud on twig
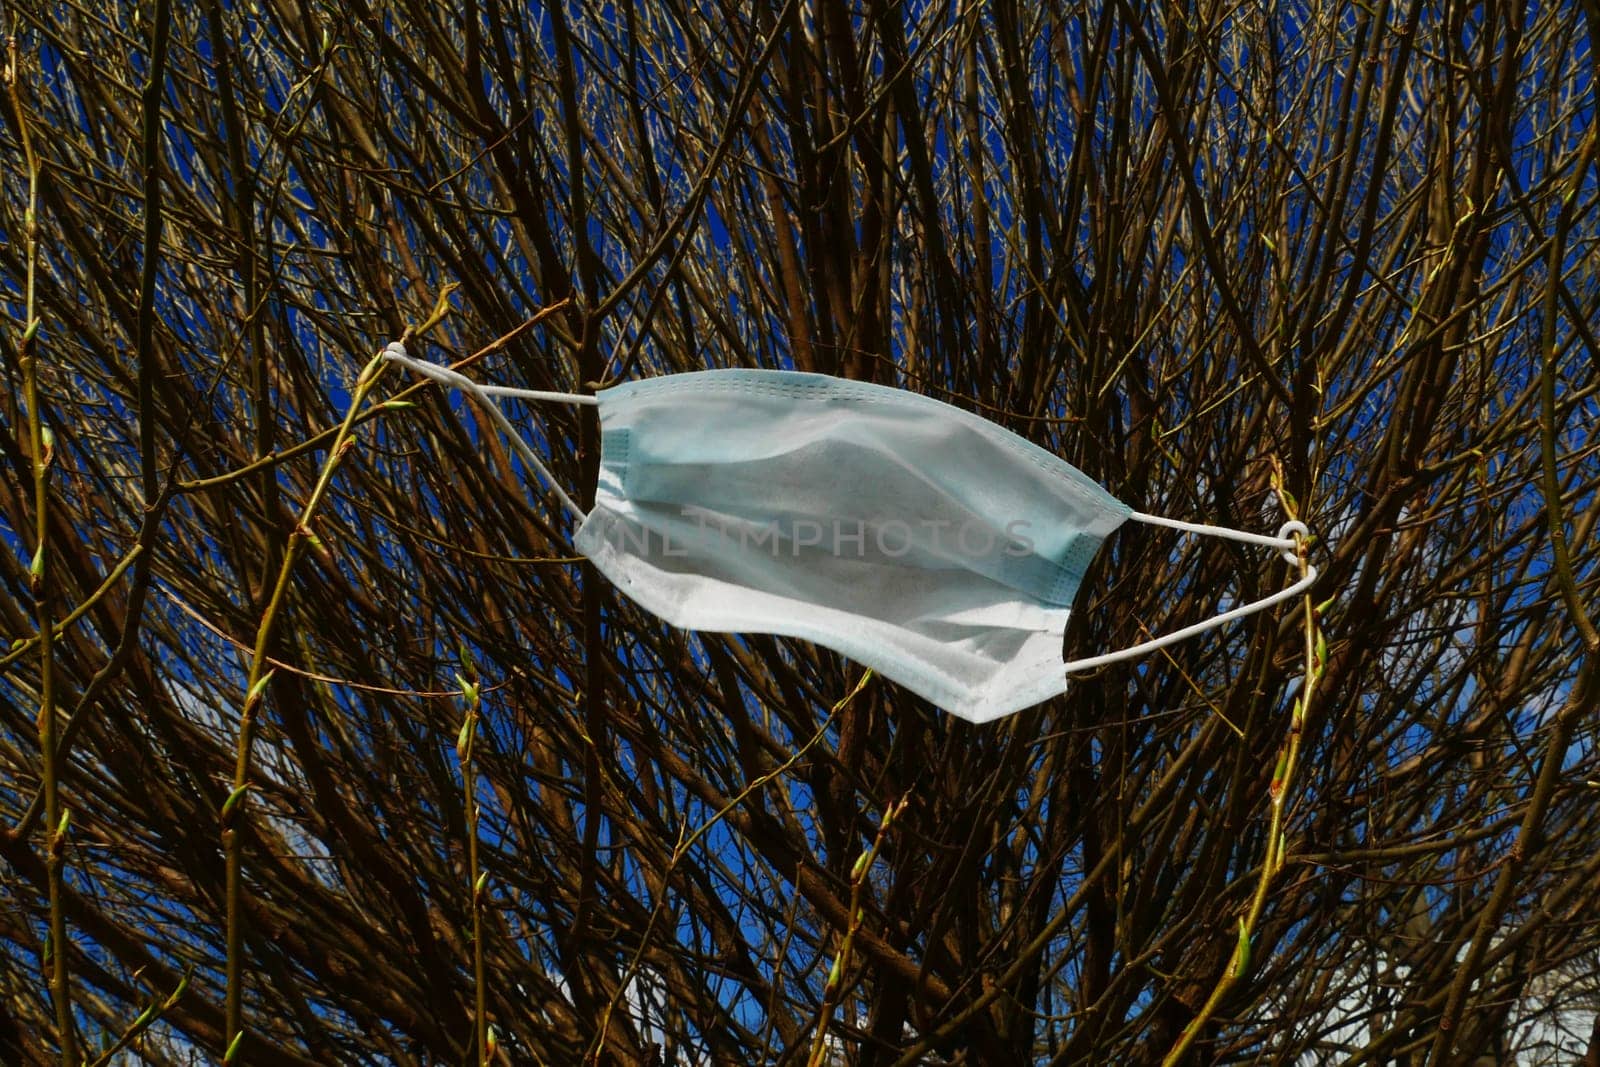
x=36, y=572
x=369, y=373
x=253, y=697
x=233, y=1047
x=235, y=798
x=862, y=862
x=1276, y=788
x=894, y=810
x=1241, y=953
x=441, y=308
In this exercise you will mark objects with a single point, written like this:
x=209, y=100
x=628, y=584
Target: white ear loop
x=1283, y=542
x=484, y=394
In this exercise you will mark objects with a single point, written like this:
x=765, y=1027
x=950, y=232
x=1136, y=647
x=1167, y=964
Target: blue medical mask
x=925, y=542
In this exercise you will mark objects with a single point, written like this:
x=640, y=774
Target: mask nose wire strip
x=1284, y=543
x=396, y=353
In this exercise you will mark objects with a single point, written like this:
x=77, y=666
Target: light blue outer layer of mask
x=925, y=542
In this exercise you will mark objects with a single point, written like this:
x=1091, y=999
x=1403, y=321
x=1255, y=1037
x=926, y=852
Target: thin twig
x=1278, y=791
x=260, y=677
x=40, y=449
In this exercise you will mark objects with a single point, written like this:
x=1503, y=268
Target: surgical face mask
x=920, y=540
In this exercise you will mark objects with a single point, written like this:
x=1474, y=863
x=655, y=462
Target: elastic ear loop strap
x=1284, y=542
x=484, y=395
